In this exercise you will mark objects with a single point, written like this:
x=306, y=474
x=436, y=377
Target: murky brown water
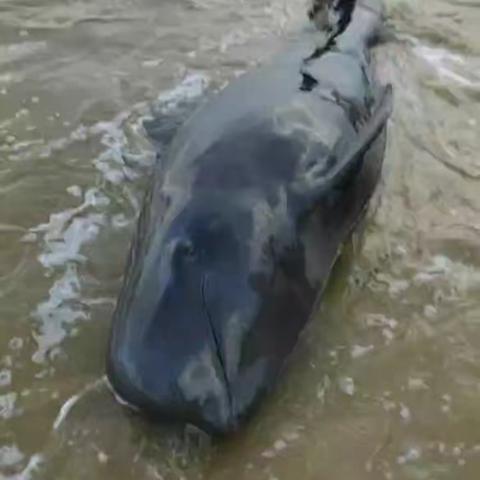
x=386, y=382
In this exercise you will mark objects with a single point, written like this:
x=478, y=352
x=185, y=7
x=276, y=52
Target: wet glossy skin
x=241, y=228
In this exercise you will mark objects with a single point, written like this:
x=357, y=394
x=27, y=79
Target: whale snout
x=190, y=372
x=185, y=345
x=183, y=363
x=197, y=393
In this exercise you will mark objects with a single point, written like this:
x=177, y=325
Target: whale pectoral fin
x=332, y=173
x=366, y=137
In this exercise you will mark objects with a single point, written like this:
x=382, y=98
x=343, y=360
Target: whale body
x=241, y=226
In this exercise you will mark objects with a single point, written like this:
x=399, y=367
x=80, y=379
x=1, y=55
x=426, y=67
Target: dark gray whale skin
x=241, y=227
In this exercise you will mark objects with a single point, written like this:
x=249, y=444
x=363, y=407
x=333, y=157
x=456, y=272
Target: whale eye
x=185, y=249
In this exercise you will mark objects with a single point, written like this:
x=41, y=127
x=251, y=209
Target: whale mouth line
x=218, y=347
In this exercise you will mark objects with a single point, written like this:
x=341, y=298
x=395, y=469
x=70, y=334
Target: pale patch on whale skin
x=234, y=332
x=199, y=382
x=268, y=222
x=299, y=118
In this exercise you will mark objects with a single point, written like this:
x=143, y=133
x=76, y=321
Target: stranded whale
x=242, y=224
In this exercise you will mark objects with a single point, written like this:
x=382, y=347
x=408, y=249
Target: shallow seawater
x=385, y=383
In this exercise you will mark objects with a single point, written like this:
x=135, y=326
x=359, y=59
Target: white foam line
x=118, y=398
x=66, y=407
x=439, y=58
x=192, y=86
x=67, y=232
x=71, y=402
x=33, y=464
